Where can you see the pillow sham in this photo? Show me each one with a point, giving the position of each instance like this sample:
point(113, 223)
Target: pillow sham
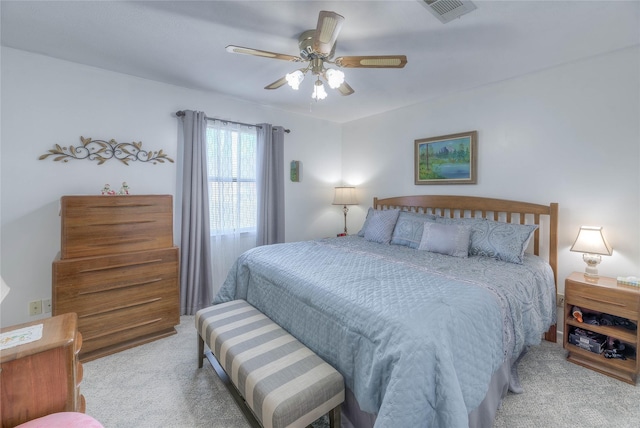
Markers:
point(380, 226)
point(449, 239)
point(409, 227)
point(502, 241)
point(366, 221)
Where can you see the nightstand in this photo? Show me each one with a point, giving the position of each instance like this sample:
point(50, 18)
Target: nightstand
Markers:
point(42, 377)
point(606, 296)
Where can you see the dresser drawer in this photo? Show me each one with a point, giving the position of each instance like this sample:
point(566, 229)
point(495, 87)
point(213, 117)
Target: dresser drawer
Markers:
point(100, 225)
point(119, 326)
point(94, 274)
point(111, 297)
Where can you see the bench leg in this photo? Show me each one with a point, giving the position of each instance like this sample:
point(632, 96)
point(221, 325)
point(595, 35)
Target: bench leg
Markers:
point(334, 417)
point(200, 351)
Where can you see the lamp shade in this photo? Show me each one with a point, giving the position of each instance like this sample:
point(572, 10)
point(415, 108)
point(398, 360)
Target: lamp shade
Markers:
point(590, 240)
point(4, 289)
point(345, 196)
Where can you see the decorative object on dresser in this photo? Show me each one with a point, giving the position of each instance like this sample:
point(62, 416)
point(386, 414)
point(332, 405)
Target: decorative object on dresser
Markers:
point(43, 376)
point(592, 243)
point(345, 195)
point(102, 151)
point(108, 191)
point(608, 336)
point(449, 159)
point(118, 270)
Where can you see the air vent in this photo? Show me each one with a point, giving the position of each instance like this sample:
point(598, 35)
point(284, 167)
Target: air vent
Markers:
point(448, 10)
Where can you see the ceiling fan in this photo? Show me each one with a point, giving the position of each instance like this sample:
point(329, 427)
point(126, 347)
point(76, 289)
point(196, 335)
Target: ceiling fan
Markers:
point(317, 48)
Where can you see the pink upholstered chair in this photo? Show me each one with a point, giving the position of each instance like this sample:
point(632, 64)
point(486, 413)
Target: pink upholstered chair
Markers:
point(63, 420)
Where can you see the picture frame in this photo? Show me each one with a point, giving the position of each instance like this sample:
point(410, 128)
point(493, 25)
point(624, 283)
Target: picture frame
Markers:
point(294, 173)
point(447, 159)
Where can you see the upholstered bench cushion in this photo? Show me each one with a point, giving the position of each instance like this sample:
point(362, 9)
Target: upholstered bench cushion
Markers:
point(283, 382)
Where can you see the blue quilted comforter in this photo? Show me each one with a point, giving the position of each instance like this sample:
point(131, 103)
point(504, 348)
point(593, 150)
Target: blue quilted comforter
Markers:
point(416, 335)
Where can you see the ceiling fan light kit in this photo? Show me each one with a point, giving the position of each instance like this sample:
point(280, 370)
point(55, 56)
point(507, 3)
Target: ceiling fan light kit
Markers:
point(294, 79)
point(317, 47)
point(319, 92)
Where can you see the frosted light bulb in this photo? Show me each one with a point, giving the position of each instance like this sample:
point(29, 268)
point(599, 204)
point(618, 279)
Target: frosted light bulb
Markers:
point(294, 79)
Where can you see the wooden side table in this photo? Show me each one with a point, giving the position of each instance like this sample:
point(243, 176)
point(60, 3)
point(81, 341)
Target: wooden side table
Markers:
point(606, 296)
point(42, 377)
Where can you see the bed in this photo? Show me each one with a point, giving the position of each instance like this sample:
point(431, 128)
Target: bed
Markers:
point(425, 314)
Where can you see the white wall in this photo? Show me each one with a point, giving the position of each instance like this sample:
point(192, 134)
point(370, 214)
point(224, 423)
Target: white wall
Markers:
point(46, 101)
point(568, 134)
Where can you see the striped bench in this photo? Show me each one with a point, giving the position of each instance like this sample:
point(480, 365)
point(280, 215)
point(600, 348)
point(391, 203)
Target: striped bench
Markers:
point(281, 381)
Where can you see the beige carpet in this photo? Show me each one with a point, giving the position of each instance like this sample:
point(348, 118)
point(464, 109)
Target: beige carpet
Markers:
point(158, 385)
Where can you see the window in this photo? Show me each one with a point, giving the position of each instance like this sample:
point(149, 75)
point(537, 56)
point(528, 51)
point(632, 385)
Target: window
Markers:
point(231, 165)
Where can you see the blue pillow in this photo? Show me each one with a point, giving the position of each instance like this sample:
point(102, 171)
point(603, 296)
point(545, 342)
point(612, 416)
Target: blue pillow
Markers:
point(449, 239)
point(380, 226)
point(366, 220)
point(502, 241)
point(409, 226)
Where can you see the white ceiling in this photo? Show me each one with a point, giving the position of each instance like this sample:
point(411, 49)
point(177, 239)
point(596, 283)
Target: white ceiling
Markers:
point(183, 43)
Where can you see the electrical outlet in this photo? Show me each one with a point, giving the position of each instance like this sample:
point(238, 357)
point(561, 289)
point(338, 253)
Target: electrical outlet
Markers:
point(46, 306)
point(35, 307)
point(560, 300)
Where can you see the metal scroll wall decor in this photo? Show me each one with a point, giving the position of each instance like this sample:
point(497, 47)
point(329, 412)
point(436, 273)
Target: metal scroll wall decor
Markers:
point(101, 151)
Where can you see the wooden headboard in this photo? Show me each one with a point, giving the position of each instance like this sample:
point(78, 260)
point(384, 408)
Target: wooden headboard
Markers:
point(545, 216)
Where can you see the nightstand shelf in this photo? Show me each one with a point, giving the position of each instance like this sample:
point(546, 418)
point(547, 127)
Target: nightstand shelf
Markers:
point(603, 295)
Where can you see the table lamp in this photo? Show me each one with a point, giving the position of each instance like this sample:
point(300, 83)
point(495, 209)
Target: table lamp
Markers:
point(345, 195)
point(4, 289)
point(591, 242)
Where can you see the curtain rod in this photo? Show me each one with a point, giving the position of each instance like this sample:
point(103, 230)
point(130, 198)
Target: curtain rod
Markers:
point(180, 113)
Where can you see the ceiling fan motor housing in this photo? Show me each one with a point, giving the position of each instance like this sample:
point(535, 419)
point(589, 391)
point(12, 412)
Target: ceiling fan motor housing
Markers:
point(305, 43)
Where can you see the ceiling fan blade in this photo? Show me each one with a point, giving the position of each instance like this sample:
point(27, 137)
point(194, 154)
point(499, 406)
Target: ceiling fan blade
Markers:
point(380, 61)
point(277, 83)
point(329, 26)
point(345, 89)
point(265, 54)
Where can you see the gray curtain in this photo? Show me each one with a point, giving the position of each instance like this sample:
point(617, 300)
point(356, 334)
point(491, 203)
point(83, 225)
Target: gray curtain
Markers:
point(270, 185)
point(195, 247)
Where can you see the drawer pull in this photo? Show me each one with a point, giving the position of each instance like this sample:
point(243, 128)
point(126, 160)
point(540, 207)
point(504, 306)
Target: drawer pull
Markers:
point(114, 223)
point(121, 206)
point(119, 286)
point(117, 308)
point(622, 305)
point(82, 405)
point(128, 327)
point(78, 342)
point(79, 373)
point(121, 242)
point(146, 262)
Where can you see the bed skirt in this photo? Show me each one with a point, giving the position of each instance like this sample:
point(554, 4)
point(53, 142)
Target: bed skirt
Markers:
point(481, 417)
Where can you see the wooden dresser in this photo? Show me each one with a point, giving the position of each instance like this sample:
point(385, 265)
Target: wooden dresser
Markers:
point(42, 377)
point(118, 270)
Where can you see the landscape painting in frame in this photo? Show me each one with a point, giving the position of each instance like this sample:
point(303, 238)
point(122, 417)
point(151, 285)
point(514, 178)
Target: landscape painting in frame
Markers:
point(448, 159)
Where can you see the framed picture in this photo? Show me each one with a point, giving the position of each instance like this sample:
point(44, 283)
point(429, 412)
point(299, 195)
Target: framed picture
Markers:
point(449, 159)
point(295, 171)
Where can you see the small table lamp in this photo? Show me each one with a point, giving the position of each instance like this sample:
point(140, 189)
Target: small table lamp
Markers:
point(4, 289)
point(591, 242)
point(345, 195)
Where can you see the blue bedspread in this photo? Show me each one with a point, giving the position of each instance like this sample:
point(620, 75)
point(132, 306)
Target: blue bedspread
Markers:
point(416, 335)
